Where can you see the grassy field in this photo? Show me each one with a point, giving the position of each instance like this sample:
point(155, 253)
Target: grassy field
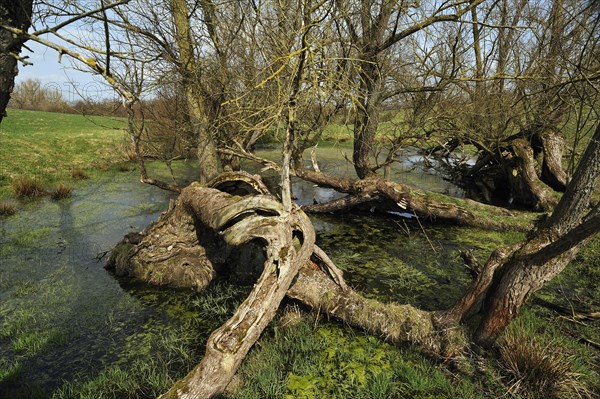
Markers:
point(49, 146)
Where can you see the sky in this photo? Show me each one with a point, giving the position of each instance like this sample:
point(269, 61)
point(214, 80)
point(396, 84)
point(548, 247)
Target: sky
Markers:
point(60, 77)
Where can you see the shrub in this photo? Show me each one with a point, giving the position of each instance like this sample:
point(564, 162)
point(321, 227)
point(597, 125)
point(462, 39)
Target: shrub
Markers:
point(78, 174)
point(27, 187)
point(62, 191)
point(535, 369)
point(7, 209)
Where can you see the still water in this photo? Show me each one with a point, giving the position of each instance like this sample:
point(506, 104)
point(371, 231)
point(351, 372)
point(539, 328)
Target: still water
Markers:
point(65, 321)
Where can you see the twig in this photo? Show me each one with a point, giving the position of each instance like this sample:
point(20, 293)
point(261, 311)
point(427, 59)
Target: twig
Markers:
point(425, 233)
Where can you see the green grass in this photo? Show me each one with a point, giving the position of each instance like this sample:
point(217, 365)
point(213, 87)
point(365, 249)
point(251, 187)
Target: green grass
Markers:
point(49, 146)
point(310, 360)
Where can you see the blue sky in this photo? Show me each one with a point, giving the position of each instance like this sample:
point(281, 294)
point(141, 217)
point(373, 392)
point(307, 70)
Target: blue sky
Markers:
point(60, 76)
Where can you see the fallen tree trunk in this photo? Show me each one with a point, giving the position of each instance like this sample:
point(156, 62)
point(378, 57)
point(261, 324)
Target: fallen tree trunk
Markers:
point(240, 220)
point(293, 266)
point(393, 322)
point(400, 197)
point(424, 204)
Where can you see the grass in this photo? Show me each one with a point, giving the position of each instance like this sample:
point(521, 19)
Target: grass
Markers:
point(27, 187)
point(7, 209)
point(62, 191)
point(78, 173)
point(9, 371)
point(49, 147)
point(300, 357)
point(305, 359)
point(536, 361)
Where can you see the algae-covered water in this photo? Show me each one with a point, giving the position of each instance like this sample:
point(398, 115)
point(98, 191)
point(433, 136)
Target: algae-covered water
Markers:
point(68, 328)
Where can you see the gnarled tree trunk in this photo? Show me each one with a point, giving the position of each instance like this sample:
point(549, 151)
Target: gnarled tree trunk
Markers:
point(293, 266)
point(513, 274)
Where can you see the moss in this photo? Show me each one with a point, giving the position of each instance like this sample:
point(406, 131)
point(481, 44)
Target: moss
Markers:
point(498, 217)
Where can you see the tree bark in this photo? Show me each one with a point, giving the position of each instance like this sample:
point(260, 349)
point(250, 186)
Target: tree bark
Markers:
point(367, 115)
point(405, 198)
point(293, 266)
point(228, 345)
point(526, 187)
point(553, 173)
point(16, 14)
point(190, 71)
point(548, 251)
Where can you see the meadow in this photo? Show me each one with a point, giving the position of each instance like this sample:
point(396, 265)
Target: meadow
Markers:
point(54, 148)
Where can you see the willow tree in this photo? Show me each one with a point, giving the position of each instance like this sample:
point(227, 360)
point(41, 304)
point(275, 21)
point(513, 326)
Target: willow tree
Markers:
point(237, 215)
point(522, 69)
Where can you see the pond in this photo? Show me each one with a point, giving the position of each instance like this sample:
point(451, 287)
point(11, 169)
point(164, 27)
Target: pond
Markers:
point(68, 327)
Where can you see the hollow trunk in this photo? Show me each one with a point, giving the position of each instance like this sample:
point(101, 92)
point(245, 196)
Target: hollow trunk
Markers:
point(526, 187)
point(16, 14)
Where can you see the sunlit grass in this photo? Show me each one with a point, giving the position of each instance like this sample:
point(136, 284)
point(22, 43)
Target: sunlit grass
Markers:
point(307, 360)
point(48, 146)
point(536, 361)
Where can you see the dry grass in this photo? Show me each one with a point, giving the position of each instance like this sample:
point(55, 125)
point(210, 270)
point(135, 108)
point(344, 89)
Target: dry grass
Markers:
point(129, 154)
point(78, 174)
point(7, 209)
point(534, 369)
point(62, 191)
point(27, 187)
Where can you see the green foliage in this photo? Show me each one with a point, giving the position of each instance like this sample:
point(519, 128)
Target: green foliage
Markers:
point(9, 370)
point(328, 361)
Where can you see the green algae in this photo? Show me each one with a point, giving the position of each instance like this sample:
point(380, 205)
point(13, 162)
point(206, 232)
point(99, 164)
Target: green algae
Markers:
point(404, 261)
point(63, 318)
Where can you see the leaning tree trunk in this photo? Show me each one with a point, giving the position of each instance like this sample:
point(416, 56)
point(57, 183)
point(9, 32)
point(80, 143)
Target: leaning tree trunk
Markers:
point(15, 14)
point(550, 249)
point(511, 275)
